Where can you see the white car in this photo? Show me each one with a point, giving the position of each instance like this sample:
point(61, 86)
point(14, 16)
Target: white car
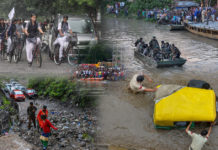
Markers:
point(16, 86)
point(21, 88)
point(8, 87)
point(13, 83)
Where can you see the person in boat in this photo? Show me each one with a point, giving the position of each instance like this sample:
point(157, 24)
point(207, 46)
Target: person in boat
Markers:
point(140, 47)
point(138, 41)
point(157, 54)
point(154, 43)
point(167, 50)
point(136, 84)
point(164, 49)
point(145, 50)
point(175, 52)
point(162, 45)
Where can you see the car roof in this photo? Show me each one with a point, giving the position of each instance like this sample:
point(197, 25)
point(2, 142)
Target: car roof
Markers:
point(72, 17)
point(16, 90)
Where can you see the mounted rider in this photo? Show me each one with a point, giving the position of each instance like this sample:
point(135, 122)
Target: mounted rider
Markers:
point(2, 31)
point(10, 33)
point(32, 29)
point(63, 28)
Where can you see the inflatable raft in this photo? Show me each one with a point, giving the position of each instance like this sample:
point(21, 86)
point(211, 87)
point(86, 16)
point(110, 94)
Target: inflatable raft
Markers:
point(164, 63)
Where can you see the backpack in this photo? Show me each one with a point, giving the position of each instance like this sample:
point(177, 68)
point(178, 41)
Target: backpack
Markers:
point(56, 31)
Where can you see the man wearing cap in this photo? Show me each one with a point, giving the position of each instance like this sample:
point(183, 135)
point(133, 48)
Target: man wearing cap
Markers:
point(136, 84)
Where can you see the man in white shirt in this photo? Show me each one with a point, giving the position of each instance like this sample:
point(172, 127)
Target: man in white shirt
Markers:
point(198, 140)
point(136, 84)
point(63, 28)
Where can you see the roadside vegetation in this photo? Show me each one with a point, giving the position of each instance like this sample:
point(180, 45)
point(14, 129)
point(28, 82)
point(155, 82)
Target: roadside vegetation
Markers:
point(7, 106)
point(98, 53)
point(63, 90)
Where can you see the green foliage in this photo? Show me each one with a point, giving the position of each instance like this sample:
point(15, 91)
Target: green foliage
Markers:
point(24, 8)
point(98, 53)
point(6, 105)
point(86, 136)
point(149, 4)
point(210, 2)
point(61, 89)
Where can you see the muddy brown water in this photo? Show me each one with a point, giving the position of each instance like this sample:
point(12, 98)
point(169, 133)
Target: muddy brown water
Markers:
point(125, 118)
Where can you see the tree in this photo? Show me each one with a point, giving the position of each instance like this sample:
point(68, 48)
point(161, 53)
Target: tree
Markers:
point(149, 4)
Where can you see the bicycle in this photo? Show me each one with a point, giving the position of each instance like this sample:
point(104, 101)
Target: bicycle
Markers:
point(20, 46)
point(2, 49)
point(37, 57)
point(14, 50)
point(70, 51)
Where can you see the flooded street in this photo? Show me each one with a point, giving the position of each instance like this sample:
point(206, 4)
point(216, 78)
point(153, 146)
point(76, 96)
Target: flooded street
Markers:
point(126, 119)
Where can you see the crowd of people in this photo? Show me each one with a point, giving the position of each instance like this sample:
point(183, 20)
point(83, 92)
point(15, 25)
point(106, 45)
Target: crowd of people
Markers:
point(176, 16)
point(117, 8)
point(17, 28)
point(167, 16)
point(29, 33)
point(100, 72)
point(154, 50)
point(199, 14)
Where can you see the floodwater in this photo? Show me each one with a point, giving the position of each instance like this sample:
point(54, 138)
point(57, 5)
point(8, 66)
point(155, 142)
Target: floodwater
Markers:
point(125, 118)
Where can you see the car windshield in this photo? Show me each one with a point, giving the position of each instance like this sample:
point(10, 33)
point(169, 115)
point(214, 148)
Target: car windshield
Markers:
point(30, 91)
point(18, 92)
point(23, 89)
point(80, 25)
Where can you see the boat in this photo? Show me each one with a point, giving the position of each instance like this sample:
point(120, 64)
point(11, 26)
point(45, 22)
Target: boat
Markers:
point(174, 27)
point(211, 33)
point(159, 64)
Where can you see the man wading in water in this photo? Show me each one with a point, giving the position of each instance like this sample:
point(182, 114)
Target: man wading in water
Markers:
point(198, 140)
point(136, 84)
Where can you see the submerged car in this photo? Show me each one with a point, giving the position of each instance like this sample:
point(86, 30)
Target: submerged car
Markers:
point(177, 105)
point(81, 25)
point(31, 93)
point(17, 95)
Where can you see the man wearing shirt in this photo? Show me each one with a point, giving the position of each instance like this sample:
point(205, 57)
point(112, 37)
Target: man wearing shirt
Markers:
point(63, 28)
point(46, 133)
point(198, 140)
point(136, 84)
